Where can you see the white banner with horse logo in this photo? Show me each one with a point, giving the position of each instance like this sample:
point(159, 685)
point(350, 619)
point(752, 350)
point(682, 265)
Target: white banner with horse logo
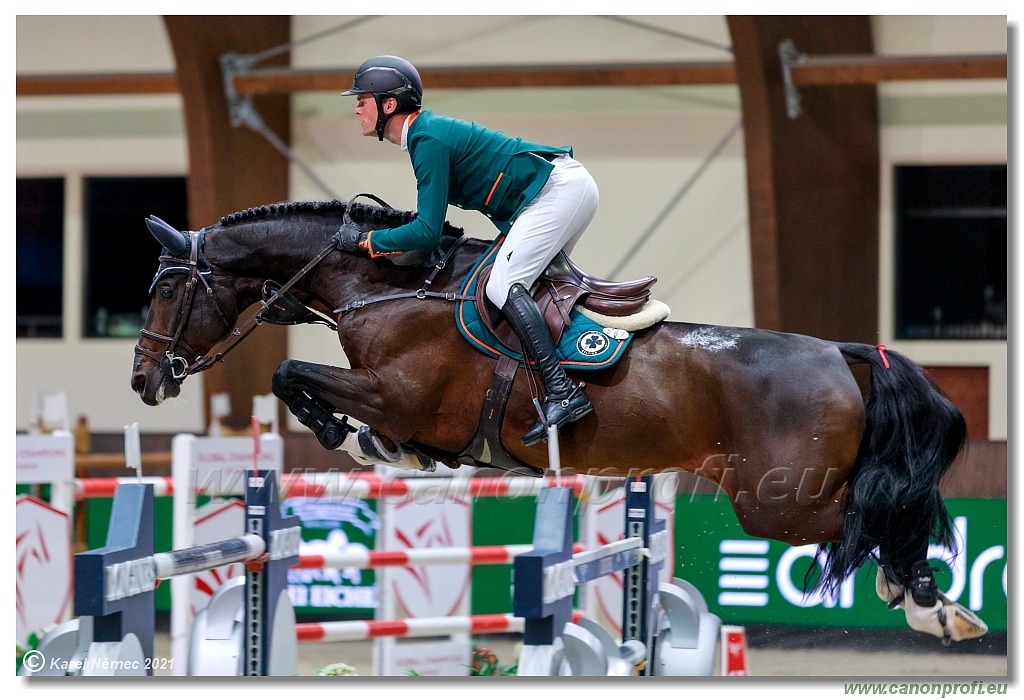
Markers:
point(421, 590)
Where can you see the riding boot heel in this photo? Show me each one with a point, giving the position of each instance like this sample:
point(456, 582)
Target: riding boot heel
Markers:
point(559, 412)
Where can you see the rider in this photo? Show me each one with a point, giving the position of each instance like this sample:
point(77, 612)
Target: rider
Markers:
point(537, 195)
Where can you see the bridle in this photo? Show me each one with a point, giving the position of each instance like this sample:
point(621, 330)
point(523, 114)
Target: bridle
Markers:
point(176, 358)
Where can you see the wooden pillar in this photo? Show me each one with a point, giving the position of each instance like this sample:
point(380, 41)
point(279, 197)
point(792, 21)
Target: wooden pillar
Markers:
point(812, 181)
point(232, 168)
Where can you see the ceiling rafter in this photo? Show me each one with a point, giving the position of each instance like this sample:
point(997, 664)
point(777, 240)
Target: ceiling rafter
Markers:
point(809, 70)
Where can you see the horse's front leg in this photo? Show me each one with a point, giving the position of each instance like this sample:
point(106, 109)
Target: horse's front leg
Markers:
point(315, 393)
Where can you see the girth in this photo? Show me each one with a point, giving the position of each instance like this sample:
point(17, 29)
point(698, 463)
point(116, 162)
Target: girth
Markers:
point(486, 448)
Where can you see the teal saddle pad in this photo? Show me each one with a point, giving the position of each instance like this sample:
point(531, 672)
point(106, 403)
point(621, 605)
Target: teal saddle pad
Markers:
point(585, 343)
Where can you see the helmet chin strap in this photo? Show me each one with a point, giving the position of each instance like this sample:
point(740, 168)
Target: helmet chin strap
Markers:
point(382, 119)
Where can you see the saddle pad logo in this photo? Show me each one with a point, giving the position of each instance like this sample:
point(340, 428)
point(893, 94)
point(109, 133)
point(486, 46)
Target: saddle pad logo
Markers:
point(592, 343)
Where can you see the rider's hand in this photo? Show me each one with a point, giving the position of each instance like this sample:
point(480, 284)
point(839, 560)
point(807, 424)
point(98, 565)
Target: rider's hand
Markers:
point(351, 239)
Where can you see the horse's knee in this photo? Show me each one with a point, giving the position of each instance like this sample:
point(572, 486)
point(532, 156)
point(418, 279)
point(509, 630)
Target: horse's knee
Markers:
point(281, 382)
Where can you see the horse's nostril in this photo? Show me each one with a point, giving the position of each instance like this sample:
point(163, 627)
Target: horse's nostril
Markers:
point(138, 382)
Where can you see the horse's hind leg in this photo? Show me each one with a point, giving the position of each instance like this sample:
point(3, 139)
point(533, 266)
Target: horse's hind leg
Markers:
point(914, 589)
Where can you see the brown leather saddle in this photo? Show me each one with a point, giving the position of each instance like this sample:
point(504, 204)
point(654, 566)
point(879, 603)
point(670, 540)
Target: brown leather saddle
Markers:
point(561, 287)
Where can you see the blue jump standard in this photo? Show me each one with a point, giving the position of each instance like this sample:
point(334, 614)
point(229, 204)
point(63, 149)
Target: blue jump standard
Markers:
point(545, 578)
point(120, 599)
point(115, 584)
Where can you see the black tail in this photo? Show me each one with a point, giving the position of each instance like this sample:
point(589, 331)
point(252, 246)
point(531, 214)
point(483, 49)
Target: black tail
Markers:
point(913, 433)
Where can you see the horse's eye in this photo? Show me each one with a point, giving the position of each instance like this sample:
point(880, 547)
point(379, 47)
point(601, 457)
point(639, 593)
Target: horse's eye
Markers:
point(166, 293)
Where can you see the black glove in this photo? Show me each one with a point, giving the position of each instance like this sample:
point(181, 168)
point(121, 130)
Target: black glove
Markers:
point(349, 237)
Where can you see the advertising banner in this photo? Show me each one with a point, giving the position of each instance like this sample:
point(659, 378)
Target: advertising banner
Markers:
point(749, 580)
point(334, 526)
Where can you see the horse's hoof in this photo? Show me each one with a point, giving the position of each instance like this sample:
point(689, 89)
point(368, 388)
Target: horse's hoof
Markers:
point(891, 593)
point(426, 463)
point(960, 623)
point(947, 619)
point(372, 444)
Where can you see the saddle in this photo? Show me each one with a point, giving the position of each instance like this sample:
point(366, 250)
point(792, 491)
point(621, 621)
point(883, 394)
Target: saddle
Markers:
point(560, 288)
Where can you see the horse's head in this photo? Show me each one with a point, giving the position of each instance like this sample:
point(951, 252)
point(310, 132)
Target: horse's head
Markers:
point(189, 313)
point(195, 302)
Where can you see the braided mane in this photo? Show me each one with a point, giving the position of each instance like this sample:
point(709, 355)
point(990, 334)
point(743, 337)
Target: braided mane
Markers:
point(375, 216)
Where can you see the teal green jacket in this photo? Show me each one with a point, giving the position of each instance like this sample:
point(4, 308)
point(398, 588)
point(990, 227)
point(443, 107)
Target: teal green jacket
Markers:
point(470, 166)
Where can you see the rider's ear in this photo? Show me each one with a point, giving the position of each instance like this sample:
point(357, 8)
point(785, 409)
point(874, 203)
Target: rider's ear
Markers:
point(390, 105)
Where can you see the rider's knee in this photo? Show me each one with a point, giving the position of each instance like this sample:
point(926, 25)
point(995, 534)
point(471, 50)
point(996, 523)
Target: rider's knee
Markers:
point(496, 289)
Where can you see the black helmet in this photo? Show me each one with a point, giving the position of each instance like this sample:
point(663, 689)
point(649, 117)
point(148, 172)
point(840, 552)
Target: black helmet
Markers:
point(388, 76)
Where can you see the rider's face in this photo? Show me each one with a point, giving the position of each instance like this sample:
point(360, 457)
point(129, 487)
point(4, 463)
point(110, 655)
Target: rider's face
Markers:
point(366, 111)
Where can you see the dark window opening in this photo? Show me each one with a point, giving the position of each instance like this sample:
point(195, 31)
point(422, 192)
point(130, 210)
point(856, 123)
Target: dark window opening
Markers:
point(40, 258)
point(951, 252)
point(121, 255)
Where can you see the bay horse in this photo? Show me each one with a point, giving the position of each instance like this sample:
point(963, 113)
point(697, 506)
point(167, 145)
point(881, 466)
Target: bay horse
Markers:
point(777, 420)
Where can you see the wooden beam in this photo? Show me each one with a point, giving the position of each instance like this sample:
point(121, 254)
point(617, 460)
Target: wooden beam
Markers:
point(812, 182)
point(810, 70)
point(111, 84)
point(231, 169)
point(868, 70)
point(268, 81)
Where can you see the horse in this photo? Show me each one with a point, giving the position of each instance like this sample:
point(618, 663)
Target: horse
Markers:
point(777, 420)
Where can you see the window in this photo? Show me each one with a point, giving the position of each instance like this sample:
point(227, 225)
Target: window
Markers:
point(951, 244)
point(40, 257)
point(121, 255)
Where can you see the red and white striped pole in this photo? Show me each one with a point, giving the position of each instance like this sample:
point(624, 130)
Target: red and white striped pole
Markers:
point(361, 630)
point(474, 556)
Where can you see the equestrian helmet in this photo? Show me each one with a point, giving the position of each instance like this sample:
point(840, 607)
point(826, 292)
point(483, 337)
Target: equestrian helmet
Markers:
point(388, 76)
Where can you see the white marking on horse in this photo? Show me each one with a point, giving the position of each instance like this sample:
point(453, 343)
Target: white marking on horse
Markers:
point(711, 339)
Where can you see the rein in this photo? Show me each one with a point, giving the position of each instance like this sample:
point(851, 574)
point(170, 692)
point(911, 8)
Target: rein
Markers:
point(421, 293)
point(242, 331)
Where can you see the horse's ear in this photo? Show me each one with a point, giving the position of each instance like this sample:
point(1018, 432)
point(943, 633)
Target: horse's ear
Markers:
point(176, 242)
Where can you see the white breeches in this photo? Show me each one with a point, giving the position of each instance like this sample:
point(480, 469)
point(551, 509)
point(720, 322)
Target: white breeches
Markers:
point(553, 221)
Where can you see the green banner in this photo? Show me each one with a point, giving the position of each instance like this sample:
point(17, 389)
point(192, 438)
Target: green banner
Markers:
point(745, 580)
point(750, 580)
point(334, 526)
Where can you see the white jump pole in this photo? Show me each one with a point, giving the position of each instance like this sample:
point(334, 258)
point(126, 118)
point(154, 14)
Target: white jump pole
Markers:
point(554, 458)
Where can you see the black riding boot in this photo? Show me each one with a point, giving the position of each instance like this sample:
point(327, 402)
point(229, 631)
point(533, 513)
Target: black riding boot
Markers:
point(564, 402)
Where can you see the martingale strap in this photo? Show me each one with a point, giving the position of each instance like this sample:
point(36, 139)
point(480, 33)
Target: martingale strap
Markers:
point(244, 329)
